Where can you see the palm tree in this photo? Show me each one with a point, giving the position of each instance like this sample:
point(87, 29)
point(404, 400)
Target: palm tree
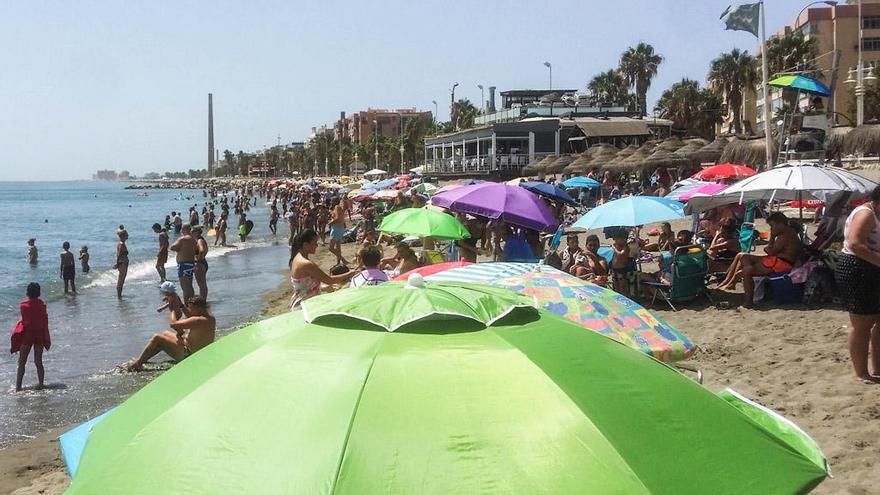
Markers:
point(691, 108)
point(639, 66)
point(463, 114)
point(792, 53)
point(609, 87)
point(730, 74)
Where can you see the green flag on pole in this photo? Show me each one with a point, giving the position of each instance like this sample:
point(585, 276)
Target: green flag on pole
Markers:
point(742, 17)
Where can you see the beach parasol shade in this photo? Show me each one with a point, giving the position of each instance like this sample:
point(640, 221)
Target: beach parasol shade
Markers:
point(427, 189)
point(864, 139)
point(549, 191)
point(394, 304)
point(684, 186)
point(803, 84)
point(581, 182)
point(724, 171)
point(579, 165)
point(424, 222)
point(559, 164)
point(750, 152)
point(541, 166)
point(711, 152)
point(631, 211)
point(603, 311)
point(513, 205)
point(633, 161)
point(530, 404)
point(790, 182)
point(671, 144)
point(376, 171)
point(431, 269)
point(385, 195)
point(704, 190)
point(663, 158)
point(487, 272)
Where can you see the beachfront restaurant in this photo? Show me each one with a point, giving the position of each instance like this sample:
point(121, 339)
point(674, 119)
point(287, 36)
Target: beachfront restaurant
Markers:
point(503, 149)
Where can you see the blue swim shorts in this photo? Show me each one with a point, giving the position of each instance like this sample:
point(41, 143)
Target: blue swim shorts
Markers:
point(185, 269)
point(337, 232)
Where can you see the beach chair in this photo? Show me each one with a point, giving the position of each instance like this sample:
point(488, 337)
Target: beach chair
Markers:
point(747, 236)
point(688, 269)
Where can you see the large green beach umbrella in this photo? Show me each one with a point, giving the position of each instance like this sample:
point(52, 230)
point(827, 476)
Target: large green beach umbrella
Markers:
point(424, 222)
point(528, 404)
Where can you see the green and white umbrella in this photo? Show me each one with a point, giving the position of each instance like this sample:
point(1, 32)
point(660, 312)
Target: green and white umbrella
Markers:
point(424, 222)
point(529, 404)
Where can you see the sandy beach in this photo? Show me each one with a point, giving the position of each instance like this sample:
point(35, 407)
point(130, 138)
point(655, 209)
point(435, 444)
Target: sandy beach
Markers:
point(791, 359)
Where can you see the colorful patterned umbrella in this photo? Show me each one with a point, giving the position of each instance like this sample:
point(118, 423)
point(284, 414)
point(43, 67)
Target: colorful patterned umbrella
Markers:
point(603, 311)
point(801, 83)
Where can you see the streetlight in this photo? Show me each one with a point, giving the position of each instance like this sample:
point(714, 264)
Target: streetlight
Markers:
point(482, 98)
point(858, 77)
point(452, 106)
point(435, 109)
point(357, 166)
point(376, 130)
point(547, 65)
point(401, 158)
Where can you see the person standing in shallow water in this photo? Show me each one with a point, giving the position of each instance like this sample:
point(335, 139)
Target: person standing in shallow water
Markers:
point(186, 248)
point(201, 272)
point(33, 253)
point(162, 255)
point(68, 268)
point(31, 332)
point(121, 260)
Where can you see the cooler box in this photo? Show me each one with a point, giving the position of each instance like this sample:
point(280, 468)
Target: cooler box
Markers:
point(784, 290)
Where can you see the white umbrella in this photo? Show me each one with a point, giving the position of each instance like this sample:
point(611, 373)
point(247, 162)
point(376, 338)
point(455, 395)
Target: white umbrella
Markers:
point(789, 182)
point(376, 171)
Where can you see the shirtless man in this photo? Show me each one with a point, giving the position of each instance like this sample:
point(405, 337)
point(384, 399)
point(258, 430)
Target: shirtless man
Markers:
point(190, 334)
point(162, 255)
point(337, 231)
point(186, 248)
point(782, 252)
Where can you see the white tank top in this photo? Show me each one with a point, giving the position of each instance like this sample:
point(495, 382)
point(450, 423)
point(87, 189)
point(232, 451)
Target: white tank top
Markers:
point(873, 235)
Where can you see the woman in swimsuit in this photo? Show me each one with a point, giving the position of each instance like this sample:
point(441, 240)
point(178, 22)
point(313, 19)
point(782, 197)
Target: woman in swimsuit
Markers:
point(305, 276)
point(121, 260)
point(201, 272)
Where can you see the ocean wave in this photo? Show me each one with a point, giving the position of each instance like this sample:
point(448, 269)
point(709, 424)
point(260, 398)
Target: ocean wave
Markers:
point(143, 272)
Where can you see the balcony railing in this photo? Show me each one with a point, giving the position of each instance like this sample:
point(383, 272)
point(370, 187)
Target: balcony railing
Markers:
point(508, 163)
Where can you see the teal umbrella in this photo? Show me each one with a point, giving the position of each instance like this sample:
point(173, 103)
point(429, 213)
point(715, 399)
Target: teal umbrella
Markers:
point(529, 404)
point(801, 83)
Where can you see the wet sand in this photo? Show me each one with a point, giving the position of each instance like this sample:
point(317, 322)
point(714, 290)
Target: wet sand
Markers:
point(791, 359)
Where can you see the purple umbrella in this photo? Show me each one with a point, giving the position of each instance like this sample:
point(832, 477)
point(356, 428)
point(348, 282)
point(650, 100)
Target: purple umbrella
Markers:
point(514, 205)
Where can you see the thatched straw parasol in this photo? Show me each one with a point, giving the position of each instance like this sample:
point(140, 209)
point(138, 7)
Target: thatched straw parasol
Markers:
point(603, 157)
point(863, 140)
point(663, 158)
point(594, 150)
point(834, 142)
point(579, 165)
point(671, 144)
point(710, 152)
point(622, 155)
point(559, 164)
point(749, 151)
point(631, 162)
point(541, 166)
point(532, 167)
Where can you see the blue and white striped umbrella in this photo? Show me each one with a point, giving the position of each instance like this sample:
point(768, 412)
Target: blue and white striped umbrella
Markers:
point(488, 272)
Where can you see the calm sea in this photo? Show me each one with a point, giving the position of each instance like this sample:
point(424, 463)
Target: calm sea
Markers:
point(93, 331)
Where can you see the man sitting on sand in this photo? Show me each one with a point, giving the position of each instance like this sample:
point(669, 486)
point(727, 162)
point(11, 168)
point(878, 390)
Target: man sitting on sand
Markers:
point(190, 334)
point(782, 252)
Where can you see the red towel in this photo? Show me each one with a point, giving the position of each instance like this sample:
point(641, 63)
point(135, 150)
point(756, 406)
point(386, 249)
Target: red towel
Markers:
point(33, 328)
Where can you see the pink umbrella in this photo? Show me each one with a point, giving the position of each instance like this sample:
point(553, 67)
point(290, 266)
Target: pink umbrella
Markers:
point(514, 205)
point(724, 171)
point(706, 190)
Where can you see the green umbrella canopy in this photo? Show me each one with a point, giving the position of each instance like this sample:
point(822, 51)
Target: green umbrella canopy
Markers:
point(395, 304)
point(424, 222)
point(530, 404)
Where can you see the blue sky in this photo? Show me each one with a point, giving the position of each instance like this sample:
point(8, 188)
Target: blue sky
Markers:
point(123, 85)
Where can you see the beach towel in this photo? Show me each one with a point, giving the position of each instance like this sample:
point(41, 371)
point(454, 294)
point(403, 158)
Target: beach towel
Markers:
point(33, 328)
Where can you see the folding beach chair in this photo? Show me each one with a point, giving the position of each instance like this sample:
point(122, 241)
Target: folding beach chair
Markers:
point(688, 268)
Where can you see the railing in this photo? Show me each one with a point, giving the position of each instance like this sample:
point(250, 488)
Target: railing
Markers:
point(476, 164)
